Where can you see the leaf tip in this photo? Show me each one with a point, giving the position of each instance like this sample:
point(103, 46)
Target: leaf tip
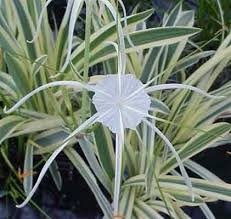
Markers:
point(19, 206)
point(30, 41)
point(5, 110)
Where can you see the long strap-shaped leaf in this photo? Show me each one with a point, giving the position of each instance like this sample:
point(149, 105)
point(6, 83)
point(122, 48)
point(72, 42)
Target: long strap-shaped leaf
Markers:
point(198, 143)
point(201, 187)
point(143, 210)
point(8, 125)
point(142, 39)
point(88, 150)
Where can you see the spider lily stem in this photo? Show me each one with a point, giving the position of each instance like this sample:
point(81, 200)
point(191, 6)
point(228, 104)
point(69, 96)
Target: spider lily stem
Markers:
point(118, 166)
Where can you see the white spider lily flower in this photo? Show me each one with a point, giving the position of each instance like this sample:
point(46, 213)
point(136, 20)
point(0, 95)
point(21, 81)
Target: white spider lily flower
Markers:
point(116, 110)
point(119, 103)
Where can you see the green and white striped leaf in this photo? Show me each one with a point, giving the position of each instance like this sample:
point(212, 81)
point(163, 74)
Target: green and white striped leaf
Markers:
point(198, 143)
point(105, 149)
point(38, 63)
point(184, 198)
point(142, 210)
point(191, 60)
point(88, 150)
point(38, 125)
point(18, 71)
point(201, 187)
point(172, 184)
point(24, 25)
point(7, 39)
point(127, 202)
point(160, 206)
point(144, 39)
point(201, 171)
point(107, 33)
point(159, 106)
point(8, 125)
point(7, 85)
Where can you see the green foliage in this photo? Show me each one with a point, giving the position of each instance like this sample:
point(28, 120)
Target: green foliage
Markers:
point(151, 185)
point(214, 18)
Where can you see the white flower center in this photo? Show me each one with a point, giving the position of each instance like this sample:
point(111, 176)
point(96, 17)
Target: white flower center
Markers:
point(133, 107)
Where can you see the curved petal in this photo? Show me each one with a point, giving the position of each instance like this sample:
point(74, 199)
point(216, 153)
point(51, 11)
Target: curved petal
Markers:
point(126, 23)
point(180, 86)
point(73, 18)
point(87, 123)
point(170, 146)
point(45, 86)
